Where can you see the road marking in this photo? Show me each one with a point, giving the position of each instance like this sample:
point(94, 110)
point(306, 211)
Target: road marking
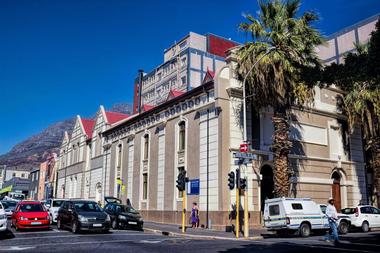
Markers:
point(82, 242)
point(15, 248)
point(68, 236)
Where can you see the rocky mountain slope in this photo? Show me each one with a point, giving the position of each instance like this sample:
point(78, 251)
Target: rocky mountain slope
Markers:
point(32, 151)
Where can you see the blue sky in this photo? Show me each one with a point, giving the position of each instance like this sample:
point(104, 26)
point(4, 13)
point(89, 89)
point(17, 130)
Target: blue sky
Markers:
point(59, 58)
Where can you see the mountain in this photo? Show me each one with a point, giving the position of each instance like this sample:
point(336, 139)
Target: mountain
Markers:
point(32, 151)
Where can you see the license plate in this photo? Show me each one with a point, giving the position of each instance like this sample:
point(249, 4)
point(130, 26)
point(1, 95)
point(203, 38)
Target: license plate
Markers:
point(132, 222)
point(36, 223)
point(97, 225)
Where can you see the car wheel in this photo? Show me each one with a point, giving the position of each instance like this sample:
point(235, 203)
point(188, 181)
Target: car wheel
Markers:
point(343, 227)
point(304, 230)
point(114, 224)
point(365, 226)
point(59, 225)
point(74, 227)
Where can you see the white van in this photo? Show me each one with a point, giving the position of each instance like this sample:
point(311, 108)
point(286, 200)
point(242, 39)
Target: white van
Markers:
point(294, 214)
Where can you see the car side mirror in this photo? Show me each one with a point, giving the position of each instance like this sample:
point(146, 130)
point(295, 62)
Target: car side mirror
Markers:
point(47, 206)
point(70, 210)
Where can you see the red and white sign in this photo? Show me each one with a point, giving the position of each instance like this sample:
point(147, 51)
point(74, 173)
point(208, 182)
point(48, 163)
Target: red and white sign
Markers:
point(244, 148)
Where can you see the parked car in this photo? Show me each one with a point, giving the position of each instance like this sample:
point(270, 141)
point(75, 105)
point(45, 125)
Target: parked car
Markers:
point(53, 206)
point(123, 216)
point(3, 219)
point(344, 221)
point(30, 214)
point(364, 217)
point(82, 215)
point(9, 207)
point(294, 215)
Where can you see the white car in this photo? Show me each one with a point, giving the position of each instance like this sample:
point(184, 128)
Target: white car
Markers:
point(298, 215)
point(53, 205)
point(344, 221)
point(364, 217)
point(3, 219)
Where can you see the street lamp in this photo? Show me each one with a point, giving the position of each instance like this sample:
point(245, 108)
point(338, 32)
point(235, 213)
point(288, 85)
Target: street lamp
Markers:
point(244, 97)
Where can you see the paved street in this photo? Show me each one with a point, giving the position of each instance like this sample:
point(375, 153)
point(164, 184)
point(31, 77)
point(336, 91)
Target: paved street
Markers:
point(138, 241)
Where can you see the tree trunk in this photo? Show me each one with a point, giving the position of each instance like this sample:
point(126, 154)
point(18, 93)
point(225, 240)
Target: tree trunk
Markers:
point(280, 148)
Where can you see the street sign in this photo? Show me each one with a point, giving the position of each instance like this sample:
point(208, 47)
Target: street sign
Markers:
point(244, 148)
point(245, 155)
point(193, 187)
point(241, 161)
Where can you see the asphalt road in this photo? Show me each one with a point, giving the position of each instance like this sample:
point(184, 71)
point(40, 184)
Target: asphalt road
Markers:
point(136, 241)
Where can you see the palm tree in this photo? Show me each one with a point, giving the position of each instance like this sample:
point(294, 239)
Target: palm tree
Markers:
point(278, 80)
point(359, 77)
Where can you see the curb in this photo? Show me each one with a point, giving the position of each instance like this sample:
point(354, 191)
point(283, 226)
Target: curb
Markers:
point(209, 237)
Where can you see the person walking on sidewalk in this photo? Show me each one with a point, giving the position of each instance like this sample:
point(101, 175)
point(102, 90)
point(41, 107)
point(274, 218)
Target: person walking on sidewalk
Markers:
point(332, 217)
point(195, 216)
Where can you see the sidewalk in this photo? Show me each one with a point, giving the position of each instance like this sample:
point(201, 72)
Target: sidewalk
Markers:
point(200, 233)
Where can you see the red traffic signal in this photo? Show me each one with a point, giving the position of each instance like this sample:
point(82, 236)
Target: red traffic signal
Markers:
point(244, 148)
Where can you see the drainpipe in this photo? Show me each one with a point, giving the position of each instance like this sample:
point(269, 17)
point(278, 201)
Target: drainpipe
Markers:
point(106, 148)
point(207, 164)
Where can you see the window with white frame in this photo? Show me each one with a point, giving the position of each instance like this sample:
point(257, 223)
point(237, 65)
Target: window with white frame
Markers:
point(146, 146)
point(145, 186)
point(182, 136)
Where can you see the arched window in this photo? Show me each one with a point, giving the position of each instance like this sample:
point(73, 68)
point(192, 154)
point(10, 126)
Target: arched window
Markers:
point(146, 147)
point(182, 136)
point(119, 156)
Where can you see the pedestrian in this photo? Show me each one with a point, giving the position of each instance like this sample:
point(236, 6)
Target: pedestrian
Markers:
point(332, 217)
point(195, 216)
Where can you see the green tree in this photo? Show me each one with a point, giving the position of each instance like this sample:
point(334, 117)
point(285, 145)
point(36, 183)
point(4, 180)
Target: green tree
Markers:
point(278, 80)
point(359, 78)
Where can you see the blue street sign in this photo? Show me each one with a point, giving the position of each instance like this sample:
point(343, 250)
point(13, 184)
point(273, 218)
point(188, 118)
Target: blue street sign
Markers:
point(193, 187)
point(249, 156)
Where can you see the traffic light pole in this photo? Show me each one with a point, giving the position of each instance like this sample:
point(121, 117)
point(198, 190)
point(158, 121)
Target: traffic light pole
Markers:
point(246, 229)
point(237, 229)
point(183, 210)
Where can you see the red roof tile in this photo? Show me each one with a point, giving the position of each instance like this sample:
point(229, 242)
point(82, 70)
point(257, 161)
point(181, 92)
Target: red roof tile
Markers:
point(174, 93)
point(208, 76)
point(114, 117)
point(147, 107)
point(88, 125)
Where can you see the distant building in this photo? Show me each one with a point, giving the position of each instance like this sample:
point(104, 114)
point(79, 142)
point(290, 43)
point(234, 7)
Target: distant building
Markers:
point(7, 173)
point(34, 178)
point(16, 184)
point(185, 64)
point(343, 41)
point(46, 177)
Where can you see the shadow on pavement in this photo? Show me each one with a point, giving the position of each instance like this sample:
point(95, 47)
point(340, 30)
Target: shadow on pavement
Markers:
point(7, 235)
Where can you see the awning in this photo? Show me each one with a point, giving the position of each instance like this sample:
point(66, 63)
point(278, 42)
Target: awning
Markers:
point(6, 189)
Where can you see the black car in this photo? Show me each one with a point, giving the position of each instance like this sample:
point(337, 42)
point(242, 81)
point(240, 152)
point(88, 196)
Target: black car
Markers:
point(82, 215)
point(123, 216)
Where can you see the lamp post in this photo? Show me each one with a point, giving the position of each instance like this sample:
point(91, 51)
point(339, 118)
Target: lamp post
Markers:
point(244, 96)
point(246, 227)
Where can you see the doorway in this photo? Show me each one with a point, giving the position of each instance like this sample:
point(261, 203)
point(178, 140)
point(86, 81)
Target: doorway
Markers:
point(267, 185)
point(336, 194)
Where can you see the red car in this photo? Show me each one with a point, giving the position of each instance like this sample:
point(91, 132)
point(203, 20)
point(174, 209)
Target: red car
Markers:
point(30, 214)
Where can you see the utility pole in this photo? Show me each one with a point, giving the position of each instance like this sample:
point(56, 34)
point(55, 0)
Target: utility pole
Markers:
point(237, 229)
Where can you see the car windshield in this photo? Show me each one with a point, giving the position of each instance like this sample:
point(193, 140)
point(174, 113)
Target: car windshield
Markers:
point(31, 208)
point(9, 204)
point(348, 210)
point(57, 203)
point(87, 207)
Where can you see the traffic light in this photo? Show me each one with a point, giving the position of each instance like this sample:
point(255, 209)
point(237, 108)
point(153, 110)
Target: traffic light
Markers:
point(182, 180)
point(231, 180)
point(243, 183)
point(238, 178)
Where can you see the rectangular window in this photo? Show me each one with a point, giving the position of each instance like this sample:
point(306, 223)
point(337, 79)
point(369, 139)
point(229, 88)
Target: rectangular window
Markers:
point(145, 186)
point(183, 79)
point(274, 210)
point(182, 136)
point(146, 147)
point(297, 206)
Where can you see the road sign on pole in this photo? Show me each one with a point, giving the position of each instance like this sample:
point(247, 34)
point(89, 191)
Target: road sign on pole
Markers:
point(245, 155)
